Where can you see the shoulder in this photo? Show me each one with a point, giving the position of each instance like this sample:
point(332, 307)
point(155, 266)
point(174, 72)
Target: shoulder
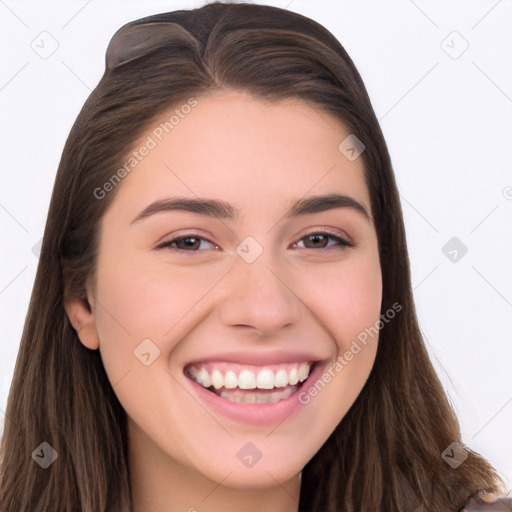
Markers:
point(489, 504)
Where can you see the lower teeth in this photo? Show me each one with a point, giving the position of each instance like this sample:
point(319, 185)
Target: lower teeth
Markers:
point(255, 397)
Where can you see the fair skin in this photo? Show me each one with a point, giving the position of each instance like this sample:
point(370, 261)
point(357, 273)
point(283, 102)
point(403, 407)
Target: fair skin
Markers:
point(303, 298)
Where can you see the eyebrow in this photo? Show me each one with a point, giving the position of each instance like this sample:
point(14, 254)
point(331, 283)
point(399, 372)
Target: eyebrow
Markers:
point(223, 210)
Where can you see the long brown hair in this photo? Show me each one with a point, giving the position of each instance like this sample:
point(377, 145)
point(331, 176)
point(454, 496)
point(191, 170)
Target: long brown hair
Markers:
point(385, 455)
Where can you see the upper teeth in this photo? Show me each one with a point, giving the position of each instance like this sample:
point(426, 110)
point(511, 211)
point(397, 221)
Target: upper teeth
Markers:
point(249, 377)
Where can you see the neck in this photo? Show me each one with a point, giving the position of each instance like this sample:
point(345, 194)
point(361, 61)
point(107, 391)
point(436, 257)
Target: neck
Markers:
point(160, 483)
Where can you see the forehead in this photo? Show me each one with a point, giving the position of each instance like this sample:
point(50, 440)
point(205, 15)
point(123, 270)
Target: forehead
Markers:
point(244, 150)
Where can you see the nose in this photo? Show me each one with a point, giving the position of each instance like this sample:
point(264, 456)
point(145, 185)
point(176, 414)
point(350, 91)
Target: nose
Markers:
point(260, 298)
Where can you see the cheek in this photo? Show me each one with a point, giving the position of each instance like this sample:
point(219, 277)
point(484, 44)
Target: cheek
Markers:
point(145, 295)
point(144, 298)
point(347, 303)
point(348, 298)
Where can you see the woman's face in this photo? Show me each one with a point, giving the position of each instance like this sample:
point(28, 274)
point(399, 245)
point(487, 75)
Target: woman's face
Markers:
point(246, 290)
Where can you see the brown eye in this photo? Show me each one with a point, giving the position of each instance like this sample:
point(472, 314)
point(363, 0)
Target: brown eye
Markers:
point(320, 240)
point(189, 243)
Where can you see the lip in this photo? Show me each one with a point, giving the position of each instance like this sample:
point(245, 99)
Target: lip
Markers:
point(258, 359)
point(255, 414)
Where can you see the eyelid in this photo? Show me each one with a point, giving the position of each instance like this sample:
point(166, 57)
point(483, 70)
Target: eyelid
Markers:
point(343, 241)
point(185, 233)
point(332, 232)
point(181, 236)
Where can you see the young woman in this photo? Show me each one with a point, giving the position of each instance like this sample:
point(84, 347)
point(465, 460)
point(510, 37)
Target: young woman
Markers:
point(223, 305)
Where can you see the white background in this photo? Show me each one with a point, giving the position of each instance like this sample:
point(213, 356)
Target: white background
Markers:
point(446, 121)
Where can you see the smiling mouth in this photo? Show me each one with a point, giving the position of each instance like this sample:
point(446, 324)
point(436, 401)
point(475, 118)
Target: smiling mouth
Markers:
point(251, 384)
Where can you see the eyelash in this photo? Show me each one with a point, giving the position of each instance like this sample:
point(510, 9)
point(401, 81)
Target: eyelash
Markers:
point(341, 243)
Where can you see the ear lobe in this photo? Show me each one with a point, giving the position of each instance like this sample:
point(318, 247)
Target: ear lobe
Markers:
point(82, 319)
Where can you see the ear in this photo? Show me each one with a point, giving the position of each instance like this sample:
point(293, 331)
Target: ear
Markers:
point(81, 315)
